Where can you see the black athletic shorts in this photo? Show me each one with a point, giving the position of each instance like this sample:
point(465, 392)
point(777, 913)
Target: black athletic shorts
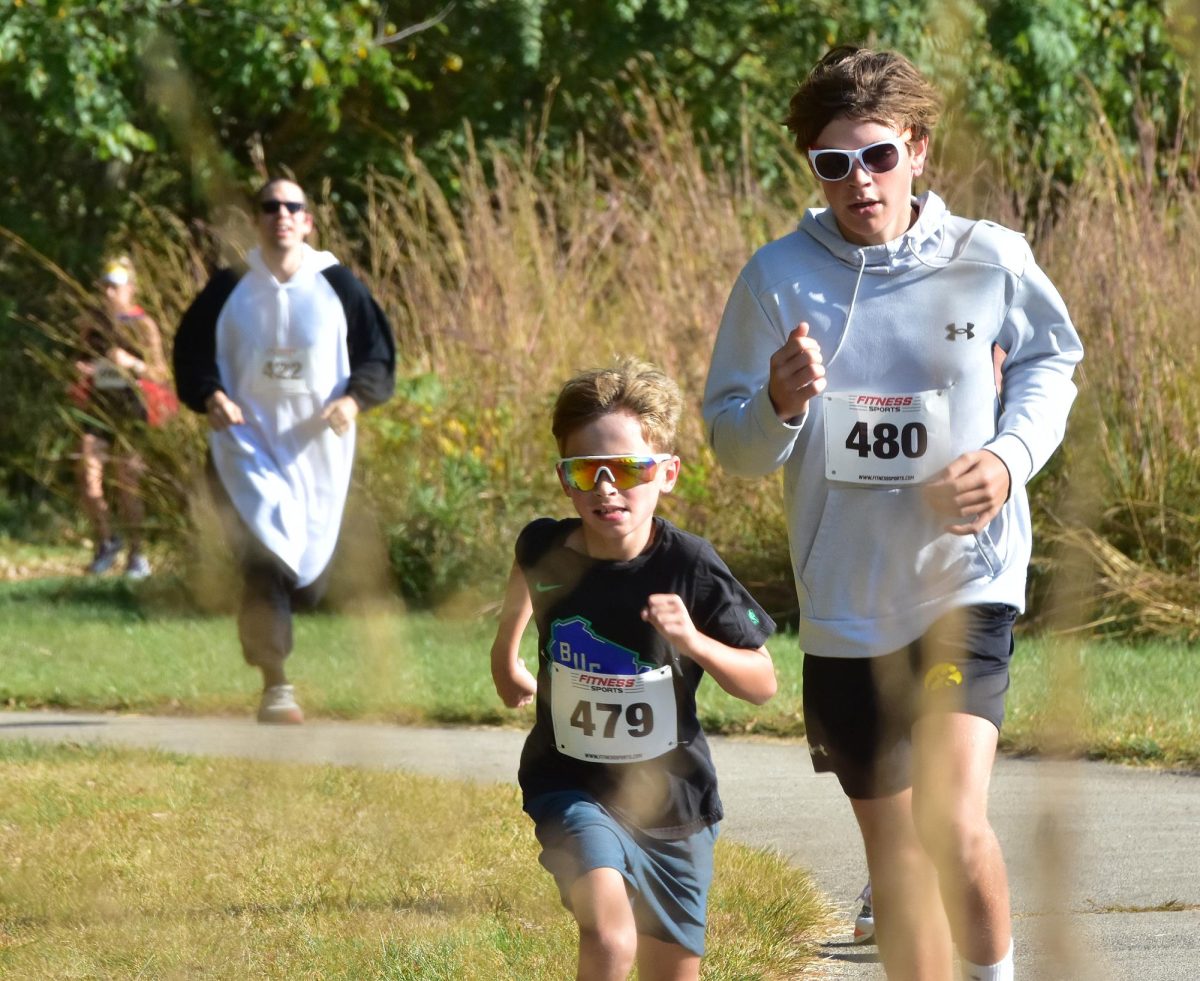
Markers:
point(859, 712)
point(114, 415)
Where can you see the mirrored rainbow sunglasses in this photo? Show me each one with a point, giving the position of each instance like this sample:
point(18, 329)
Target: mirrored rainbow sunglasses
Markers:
point(582, 473)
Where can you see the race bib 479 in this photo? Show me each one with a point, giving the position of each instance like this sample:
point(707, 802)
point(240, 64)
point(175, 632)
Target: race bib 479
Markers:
point(613, 718)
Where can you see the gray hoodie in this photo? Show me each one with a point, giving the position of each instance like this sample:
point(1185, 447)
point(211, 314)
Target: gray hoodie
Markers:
point(905, 324)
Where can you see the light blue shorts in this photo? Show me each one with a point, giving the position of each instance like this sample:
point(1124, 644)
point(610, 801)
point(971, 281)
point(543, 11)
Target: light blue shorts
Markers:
point(667, 880)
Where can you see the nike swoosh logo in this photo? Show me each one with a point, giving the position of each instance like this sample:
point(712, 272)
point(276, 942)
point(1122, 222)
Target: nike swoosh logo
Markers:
point(543, 587)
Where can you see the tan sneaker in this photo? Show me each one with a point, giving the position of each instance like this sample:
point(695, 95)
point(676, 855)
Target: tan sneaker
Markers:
point(279, 707)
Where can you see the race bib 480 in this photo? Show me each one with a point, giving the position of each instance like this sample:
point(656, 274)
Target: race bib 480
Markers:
point(873, 438)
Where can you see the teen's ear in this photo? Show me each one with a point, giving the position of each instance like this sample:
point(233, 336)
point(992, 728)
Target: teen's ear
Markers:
point(671, 474)
point(917, 151)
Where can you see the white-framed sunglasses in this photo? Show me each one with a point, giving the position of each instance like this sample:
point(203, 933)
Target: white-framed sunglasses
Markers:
point(875, 158)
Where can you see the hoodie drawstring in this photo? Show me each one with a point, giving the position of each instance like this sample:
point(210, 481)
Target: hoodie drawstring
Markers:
point(862, 267)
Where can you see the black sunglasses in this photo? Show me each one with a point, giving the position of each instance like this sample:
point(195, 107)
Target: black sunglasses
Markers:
point(272, 206)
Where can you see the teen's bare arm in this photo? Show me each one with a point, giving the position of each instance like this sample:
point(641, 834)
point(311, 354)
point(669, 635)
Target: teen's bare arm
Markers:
point(152, 344)
point(514, 683)
point(744, 673)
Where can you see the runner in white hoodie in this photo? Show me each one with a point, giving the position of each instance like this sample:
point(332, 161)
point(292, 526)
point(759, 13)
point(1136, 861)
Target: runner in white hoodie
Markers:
point(857, 354)
point(281, 359)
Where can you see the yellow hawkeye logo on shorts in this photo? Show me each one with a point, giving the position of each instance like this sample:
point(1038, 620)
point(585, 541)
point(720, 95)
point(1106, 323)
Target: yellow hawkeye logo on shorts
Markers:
point(943, 675)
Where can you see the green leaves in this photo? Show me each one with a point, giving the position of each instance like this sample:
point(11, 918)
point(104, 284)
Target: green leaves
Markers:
point(1066, 62)
point(266, 63)
point(102, 98)
point(93, 91)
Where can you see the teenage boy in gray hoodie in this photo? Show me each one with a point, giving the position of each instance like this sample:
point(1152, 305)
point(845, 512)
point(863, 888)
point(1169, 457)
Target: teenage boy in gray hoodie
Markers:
point(857, 354)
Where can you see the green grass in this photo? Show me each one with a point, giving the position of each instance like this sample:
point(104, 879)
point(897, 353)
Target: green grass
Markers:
point(1109, 700)
point(24, 560)
point(102, 644)
point(127, 864)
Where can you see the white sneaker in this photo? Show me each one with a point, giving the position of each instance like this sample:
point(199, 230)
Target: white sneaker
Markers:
point(279, 706)
point(864, 922)
point(138, 567)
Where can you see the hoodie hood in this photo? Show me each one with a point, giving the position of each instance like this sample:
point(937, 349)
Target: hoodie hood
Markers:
point(312, 263)
point(920, 245)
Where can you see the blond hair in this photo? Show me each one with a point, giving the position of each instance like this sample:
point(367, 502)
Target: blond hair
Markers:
point(115, 267)
point(637, 387)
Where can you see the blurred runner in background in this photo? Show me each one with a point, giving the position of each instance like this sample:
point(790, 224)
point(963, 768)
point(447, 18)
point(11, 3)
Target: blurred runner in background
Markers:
point(120, 385)
point(281, 357)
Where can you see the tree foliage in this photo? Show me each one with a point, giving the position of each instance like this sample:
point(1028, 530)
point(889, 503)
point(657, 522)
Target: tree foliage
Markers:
point(104, 98)
point(1056, 64)
point(110, 106)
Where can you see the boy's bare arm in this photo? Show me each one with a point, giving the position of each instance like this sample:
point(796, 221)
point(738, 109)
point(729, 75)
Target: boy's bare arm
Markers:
point(744, 673)
point(514, 683)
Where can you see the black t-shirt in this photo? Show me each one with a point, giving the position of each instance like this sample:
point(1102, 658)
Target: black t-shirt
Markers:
point(674, 794)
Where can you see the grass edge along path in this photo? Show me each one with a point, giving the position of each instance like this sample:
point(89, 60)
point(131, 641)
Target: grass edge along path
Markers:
point(136, 863)
point(104, 645)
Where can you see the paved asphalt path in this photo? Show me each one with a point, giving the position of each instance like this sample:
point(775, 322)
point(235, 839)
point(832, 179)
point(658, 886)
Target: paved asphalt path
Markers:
point(1104, 861)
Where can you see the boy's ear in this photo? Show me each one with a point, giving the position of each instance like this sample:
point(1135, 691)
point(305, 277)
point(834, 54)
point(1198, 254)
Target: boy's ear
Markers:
point(672, 474)
point(919, 149)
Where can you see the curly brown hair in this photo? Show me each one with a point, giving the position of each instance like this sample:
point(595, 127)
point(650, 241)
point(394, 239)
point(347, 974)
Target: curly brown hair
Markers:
point(874, 86)
point(637, 387)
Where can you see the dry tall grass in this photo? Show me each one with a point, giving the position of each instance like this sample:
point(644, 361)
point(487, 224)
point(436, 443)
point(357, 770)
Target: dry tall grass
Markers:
point(533, 272)
point(536, 267)
point(1125, 252)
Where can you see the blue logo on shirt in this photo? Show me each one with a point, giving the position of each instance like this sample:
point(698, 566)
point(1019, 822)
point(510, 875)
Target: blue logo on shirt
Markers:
point(572, 643)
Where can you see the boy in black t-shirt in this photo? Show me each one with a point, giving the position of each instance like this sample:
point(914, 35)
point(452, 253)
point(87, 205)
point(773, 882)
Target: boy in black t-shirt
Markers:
point(631, 612)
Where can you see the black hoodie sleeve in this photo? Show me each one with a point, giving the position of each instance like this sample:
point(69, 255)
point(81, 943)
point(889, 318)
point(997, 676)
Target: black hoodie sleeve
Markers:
point(369, 340)
point(194, 356)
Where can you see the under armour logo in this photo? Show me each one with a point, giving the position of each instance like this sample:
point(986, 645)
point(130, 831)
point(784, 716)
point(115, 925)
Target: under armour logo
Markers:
point(816, 749)
point(953, 333)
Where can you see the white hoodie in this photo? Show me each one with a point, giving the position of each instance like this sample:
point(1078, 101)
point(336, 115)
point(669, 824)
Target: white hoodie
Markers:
point(916, 316)
point(282, 356)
